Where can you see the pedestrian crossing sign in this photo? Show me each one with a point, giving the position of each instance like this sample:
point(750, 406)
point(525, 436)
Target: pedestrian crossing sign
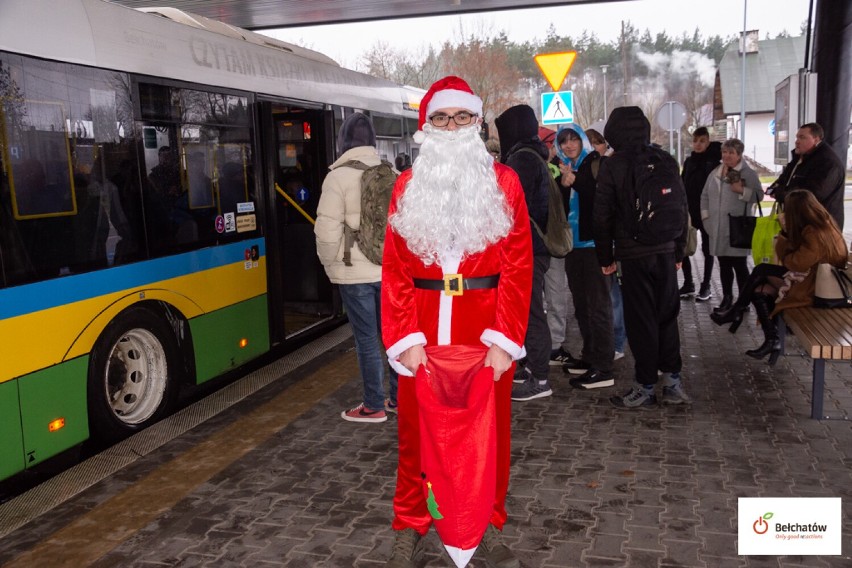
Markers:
point(557, 108)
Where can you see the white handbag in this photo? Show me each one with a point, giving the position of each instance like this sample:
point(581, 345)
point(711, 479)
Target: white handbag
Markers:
point(833, 286)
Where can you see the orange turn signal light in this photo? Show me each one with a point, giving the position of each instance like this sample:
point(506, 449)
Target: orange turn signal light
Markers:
point(243, 343)
point(55, 425)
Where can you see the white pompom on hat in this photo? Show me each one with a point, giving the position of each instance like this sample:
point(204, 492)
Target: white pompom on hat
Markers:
point(449, 92)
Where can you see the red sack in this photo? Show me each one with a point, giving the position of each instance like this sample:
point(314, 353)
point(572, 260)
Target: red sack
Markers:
point(458, 445)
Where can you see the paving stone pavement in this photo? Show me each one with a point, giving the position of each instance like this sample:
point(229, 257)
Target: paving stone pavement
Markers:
point(591, 486)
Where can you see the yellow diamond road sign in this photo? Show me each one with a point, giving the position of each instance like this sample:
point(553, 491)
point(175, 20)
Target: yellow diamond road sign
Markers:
point(555, 66)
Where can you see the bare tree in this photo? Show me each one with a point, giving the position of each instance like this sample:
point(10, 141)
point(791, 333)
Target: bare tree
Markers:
point(429, 71)
point(485, 67)
point(695, 96)
point(394, 65)
point(379, 61)
point(588, 98)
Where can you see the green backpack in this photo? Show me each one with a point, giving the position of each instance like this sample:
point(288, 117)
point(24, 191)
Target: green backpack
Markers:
point(558, 236)
point(376, 187)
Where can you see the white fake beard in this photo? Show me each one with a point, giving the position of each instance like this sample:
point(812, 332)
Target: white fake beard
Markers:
point(452, 202)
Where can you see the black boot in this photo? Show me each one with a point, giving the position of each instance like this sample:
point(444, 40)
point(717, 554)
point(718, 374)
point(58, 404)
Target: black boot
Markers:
point(763, 306)
point(727, 302)
point(733, 316)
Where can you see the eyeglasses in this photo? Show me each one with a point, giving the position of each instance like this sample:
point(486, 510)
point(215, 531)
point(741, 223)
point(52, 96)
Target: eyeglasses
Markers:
point(460, 118)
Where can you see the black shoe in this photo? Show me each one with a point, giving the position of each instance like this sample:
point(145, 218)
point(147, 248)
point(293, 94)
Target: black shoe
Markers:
point(497, 554)
point(763, 306)
point(733, 316)
point(771, 347)
point(704, 293)
point(559, 356)
point(638, 398)
point(592, 379)
point(531, 390)
point(687, 290)
point(727, 302)
point(575, 366)
point(407, 549)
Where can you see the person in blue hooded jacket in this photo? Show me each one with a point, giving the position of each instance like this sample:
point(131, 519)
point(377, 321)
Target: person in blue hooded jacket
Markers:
point(590, 288)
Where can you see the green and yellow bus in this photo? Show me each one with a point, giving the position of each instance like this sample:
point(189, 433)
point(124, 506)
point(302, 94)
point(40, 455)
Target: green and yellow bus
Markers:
point(159, 172)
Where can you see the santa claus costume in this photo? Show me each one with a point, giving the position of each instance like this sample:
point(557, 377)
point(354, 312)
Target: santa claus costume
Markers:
point(457, 271)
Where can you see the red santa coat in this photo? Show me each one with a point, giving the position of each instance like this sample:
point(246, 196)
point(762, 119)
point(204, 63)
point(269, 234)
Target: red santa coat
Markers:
point(412, 316)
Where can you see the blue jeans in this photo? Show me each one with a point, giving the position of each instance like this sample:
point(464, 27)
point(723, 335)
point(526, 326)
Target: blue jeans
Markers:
point(619, 334)
point(362, 303)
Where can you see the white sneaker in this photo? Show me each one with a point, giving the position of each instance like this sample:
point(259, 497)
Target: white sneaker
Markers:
point(618, 355)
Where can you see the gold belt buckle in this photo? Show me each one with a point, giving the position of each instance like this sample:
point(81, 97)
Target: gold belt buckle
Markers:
point(453, 279)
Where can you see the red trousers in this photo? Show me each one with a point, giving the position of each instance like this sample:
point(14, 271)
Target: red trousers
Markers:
point(409, 504)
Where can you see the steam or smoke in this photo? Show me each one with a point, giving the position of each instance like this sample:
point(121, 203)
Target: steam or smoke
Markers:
point(679, 66)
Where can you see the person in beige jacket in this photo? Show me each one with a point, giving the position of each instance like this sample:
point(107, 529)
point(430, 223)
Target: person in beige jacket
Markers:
point(359, 280)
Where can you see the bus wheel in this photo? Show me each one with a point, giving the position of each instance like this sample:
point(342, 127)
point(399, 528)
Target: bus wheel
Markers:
point(133, 375)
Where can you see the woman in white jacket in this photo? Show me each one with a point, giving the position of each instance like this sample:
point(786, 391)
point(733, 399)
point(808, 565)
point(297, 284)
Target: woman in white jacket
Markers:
point(359, 279)
point(732, 188)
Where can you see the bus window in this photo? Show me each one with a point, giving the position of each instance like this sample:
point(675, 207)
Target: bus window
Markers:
point(67, 198)
point(234, 184)
point(190, 161)
point(40, 180)
point(199, 172)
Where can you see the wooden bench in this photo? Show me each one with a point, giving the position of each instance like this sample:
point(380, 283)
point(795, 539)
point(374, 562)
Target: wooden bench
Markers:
point(826, 335)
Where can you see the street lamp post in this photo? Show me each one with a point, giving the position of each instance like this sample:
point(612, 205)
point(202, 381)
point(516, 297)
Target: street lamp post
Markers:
point(742, 86)
point(603, 69)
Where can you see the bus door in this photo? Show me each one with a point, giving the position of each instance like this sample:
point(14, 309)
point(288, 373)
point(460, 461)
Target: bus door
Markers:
point(297, 158)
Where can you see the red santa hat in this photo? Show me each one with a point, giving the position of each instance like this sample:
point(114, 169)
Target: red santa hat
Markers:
point(451, 91)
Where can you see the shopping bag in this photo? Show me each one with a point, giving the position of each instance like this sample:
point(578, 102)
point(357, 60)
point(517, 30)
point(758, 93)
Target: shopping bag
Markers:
point(458, 445)
point(763, 239)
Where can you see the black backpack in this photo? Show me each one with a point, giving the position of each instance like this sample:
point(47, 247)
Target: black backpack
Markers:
point(658, 202)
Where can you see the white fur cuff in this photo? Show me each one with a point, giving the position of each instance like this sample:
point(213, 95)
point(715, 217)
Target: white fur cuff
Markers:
point(491, 337)
point(399, 368)
point(409, 340)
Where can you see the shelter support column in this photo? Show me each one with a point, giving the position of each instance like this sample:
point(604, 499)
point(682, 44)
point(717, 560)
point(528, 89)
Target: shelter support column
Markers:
point(832, 61)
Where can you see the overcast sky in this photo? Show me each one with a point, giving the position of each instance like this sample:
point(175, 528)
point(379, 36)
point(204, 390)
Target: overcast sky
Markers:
point(347, 42)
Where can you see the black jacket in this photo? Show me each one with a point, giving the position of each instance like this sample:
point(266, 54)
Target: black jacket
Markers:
point(518, 128)
point(821, 172)
point(627, 131)
point(696, 169)
point(586, 187)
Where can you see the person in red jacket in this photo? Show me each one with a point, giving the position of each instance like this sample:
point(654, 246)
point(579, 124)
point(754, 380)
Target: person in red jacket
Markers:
point(457, 271)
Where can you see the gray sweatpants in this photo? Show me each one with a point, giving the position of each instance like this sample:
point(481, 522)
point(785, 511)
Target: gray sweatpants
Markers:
point(556, 303)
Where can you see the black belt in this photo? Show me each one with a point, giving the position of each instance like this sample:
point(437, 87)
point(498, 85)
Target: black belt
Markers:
point(456, 284)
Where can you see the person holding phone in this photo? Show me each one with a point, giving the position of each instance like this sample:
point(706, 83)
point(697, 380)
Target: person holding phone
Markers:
point(590, 288)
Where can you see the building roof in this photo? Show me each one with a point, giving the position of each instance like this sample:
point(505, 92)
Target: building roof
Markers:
point(775, 60)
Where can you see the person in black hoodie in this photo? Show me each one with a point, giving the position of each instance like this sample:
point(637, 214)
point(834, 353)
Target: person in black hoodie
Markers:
point(523, 151)
point(649, 272)
point(705, 157)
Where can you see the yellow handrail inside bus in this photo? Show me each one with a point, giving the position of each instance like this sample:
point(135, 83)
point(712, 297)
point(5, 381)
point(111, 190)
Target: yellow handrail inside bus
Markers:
point(294, 204)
